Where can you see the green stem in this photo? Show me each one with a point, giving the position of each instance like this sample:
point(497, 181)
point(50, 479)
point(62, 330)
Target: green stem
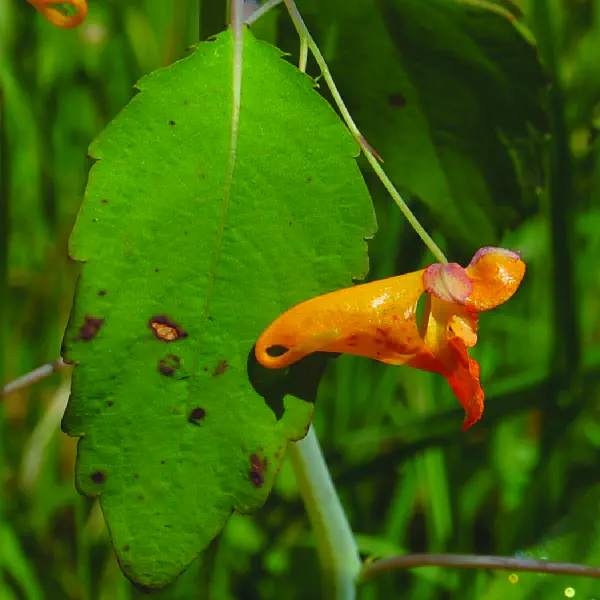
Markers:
point(336, 546)
point(367, 150)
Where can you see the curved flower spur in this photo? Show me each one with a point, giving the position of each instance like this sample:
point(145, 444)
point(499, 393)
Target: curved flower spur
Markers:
point(379, 320)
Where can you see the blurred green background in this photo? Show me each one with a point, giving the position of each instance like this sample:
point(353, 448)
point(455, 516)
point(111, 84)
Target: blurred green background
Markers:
point(521, 482)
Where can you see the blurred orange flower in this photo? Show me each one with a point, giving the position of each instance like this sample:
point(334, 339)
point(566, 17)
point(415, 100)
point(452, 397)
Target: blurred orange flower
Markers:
point(379, 320)
point(49, 11)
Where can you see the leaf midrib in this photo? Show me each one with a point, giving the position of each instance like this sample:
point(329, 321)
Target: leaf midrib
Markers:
point(236, 89)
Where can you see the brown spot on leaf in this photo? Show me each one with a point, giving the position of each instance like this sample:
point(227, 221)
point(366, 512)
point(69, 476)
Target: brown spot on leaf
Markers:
point(90, 328)
point(101, 292)
point(163, 462)
point(257, 479)
point(171, 122)
point(197, 414)
point(221, 367)
point(309, 179)
point(103, 201)
point(397, 100)
point(109, 403)
point(98, 477)
point(126, 548)
point(168, 366)
point(165, 369)
point(136, 475)
point(258, 466)
point(166, 329)
point(156, 270)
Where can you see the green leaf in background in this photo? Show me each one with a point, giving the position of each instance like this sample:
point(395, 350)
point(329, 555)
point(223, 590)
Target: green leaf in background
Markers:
point(450, 95)
point(185, 263)
point(15, 562)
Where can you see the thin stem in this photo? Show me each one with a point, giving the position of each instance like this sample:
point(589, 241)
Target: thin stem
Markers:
point(33, 377)
point(336, 546)
point(303, 54)
point(370, 156)
point(259, 12)
point(473, 561)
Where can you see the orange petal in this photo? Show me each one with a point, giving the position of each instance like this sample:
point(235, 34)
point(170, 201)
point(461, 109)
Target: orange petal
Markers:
point(464, 326)
point(376, 320)
point(46, 8)
point(462, 373)
point(451, 329)
point(463, 376)
point(496, 274)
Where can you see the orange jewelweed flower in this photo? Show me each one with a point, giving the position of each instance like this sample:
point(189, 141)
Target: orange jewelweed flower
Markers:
point(47, 9)
point(379, 320)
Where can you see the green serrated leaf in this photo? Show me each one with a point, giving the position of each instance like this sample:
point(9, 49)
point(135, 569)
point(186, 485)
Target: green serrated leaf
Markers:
point(186, 262)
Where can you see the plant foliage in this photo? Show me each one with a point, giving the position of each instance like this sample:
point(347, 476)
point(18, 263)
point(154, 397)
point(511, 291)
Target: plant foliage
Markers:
point(192, 244)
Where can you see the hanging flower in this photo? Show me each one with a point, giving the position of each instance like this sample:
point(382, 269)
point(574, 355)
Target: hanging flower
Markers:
point(379, 320)
point(50, 12)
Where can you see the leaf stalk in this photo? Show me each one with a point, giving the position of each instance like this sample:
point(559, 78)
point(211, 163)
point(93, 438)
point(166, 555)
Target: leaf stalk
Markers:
point(33, 377)
point(337, 548)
